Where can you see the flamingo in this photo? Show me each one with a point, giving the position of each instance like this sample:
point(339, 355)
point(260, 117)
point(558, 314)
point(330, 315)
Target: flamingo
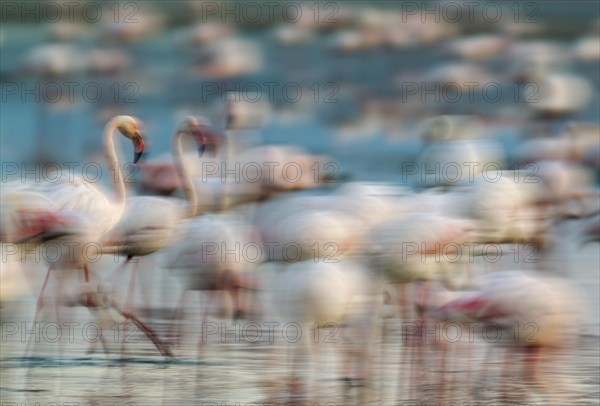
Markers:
point(452, 148)
point(562, 95)
point(81, 196)
point(532, 60)
point(420, 247)
point(342, 219)
point(230, 57)
point(319, 297)
point(321, 279)
point(261, 172)
point(478, 47)
point(196, 253)
point(537, 315)
point(141, 232)
point(95, 212)
point(591, 231)
point(587, 49)
point(198, 258)
point(28, 220)
point(557, 165)
point(255, 184)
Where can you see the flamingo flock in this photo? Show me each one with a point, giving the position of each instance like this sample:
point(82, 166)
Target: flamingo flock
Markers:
point(329, 263)
point(232, 268)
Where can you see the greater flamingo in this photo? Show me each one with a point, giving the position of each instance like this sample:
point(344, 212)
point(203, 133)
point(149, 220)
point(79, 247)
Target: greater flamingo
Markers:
point(536, 315)
point(141, 232)
point(420, 247)
point(326, 303)
point(95, 212)
point(197, 253)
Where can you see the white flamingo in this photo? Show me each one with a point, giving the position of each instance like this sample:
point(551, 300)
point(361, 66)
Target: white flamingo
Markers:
point(421, 247)
point(80, 196)
point(320, 281)
point(333, 224)
point(455, 152)
point(96, 212)
point(28, 220)
point(197, 254)
point(141, 231)
point(537, 315)
point(335, 300)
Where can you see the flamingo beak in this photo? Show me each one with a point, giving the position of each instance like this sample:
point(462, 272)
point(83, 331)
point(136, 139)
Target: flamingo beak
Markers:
point(205, 138)
point(139, 149)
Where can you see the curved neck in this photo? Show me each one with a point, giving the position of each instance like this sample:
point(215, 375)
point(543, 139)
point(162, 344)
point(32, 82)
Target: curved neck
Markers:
point(227, 148)
point(113, 161)
point(184, 174)
point(227, 155)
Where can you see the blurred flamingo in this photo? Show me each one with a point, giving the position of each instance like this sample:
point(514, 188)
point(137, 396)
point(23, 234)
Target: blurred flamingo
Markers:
point(534, 315)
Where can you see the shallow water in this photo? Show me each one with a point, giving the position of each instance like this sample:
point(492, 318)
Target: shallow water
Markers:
point(233, 366)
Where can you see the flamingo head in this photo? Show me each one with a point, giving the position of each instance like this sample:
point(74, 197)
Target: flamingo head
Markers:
point(131, 128)
point(202, 131)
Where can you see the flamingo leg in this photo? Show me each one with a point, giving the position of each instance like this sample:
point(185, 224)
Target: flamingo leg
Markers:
point(411, 363)
point(403, 298)
point(175, 325)
point(86, 273)
point(532, 371)
point(505, 374)
point(39, 306)
point(205, 304)
point(238, 299)
point(86, 276)
point(468, 357)
point(484, 367)
point(146, 282)
point(252, 296)
point(40, 302)
point(382, 358)
point(312, 354)
point(160, 346)
point(295, 389)
point(276, 353)
point(102, 339)
point(131, 291)
point(419, 359)
point(57, 313)
point(445, 357)
point(346, 367)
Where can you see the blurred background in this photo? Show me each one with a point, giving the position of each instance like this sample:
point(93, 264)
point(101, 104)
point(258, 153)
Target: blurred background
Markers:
point(352, 80)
